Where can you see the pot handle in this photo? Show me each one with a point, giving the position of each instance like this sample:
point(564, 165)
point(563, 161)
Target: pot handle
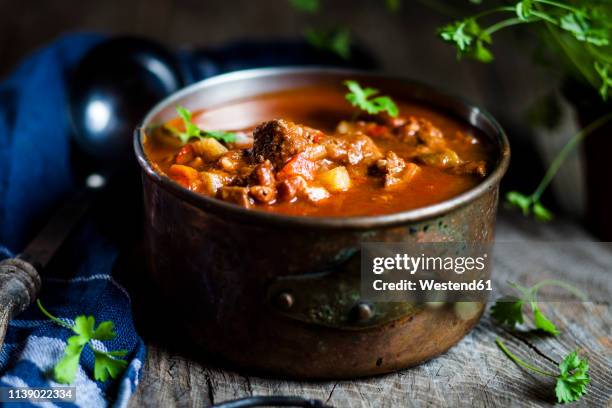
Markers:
point(331, 297)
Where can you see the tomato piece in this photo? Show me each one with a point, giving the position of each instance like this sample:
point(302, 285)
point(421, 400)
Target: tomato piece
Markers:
point(297, 166)
point(186, 176)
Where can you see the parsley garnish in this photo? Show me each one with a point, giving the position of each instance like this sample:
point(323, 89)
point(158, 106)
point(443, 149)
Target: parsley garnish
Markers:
point(530, 204)
point(509, 310)
point(106, 363)
point(192, 130)
point(306, 6)
point(337, 40)
point(572, 378)
point(366, 99)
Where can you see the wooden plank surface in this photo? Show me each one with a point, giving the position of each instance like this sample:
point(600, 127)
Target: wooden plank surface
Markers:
point(472, 374)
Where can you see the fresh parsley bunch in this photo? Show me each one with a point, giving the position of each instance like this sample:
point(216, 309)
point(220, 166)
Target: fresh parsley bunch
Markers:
point(368, 100)
point(509, 310)
point(586, 22)
point(193, 131)
point(572, 378)
point(106, 363)
point(581, 32)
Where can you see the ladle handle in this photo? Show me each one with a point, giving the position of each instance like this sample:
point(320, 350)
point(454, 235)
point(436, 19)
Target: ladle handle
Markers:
point(19, 287)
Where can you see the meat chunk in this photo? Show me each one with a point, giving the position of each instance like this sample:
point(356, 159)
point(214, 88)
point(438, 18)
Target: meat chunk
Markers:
point(288, 189)
point(263, 194)
point(263, 174)
point(478, 168)
point(352, 149)
point(421, 131)
point(395, 169)
point(279, 140)
point(236, 195)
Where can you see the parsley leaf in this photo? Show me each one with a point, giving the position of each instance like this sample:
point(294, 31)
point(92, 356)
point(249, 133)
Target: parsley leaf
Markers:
point(106, 363)
point(529, 205)
point(337, 41)
point(65, 370)
point(469, 38)
point(305, 6)
point(192, 130)
point(602, 70)
point(393, 5)
point(366, 99)
point(572, 378)
point(509, 310)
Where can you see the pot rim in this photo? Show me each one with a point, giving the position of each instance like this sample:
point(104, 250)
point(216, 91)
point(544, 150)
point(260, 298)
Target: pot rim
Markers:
point(336, 223)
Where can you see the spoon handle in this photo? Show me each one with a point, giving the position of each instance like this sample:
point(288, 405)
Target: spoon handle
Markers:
point(20, 276)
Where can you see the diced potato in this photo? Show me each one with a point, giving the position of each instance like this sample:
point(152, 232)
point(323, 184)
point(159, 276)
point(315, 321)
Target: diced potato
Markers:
point(314, 194)
point(335, 180)
point(211, 182)
point(209, 149)
point(186, 176)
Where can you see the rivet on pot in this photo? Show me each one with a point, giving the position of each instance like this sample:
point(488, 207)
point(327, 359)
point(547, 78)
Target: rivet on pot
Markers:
point(362, 312)
point(284, 300)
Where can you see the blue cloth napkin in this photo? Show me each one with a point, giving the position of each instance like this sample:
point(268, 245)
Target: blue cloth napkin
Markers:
point(36, 175)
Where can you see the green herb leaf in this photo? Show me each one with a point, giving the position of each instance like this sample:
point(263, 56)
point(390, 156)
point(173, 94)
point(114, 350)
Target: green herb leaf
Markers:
point(337, 41)
point(393, 5)
point(603, 70)
point(106, 365)
point(508, 311)
point(193, 131)
point(305, 6)
point(541, 213)
point(105, 331)
point(523, 9)
point(542, 322)
point(366, 99)
point(105, 362)
point(65, 370)
point(572, 378)
point(529, 205)
point(84, 326)
point(578, 23)
point(469, 39)
point(516, 199)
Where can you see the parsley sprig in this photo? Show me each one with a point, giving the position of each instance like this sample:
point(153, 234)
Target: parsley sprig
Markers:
point(509, 310)
point(106, 363)
point(572, 378)
point(587, 25)
point(368, 100)
point(336, 40)
point(581, 30)
point(193, 131)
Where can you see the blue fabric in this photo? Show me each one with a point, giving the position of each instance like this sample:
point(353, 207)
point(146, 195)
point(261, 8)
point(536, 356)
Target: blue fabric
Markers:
point(35, 176)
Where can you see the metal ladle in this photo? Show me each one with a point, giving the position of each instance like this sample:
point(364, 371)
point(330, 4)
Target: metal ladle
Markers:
point(114, 86)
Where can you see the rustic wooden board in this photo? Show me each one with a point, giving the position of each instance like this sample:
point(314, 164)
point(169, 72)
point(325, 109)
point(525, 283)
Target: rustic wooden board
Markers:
point(472, 374)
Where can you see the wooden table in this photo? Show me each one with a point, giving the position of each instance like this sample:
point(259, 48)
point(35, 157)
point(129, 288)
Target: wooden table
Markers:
point(474, 373)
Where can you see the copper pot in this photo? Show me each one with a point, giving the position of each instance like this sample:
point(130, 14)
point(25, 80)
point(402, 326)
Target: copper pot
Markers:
point(245, 278)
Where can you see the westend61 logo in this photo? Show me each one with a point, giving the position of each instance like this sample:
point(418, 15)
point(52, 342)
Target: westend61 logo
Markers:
point(418, 272)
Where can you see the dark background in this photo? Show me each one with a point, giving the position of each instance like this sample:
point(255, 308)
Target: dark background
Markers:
point(404, 42)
